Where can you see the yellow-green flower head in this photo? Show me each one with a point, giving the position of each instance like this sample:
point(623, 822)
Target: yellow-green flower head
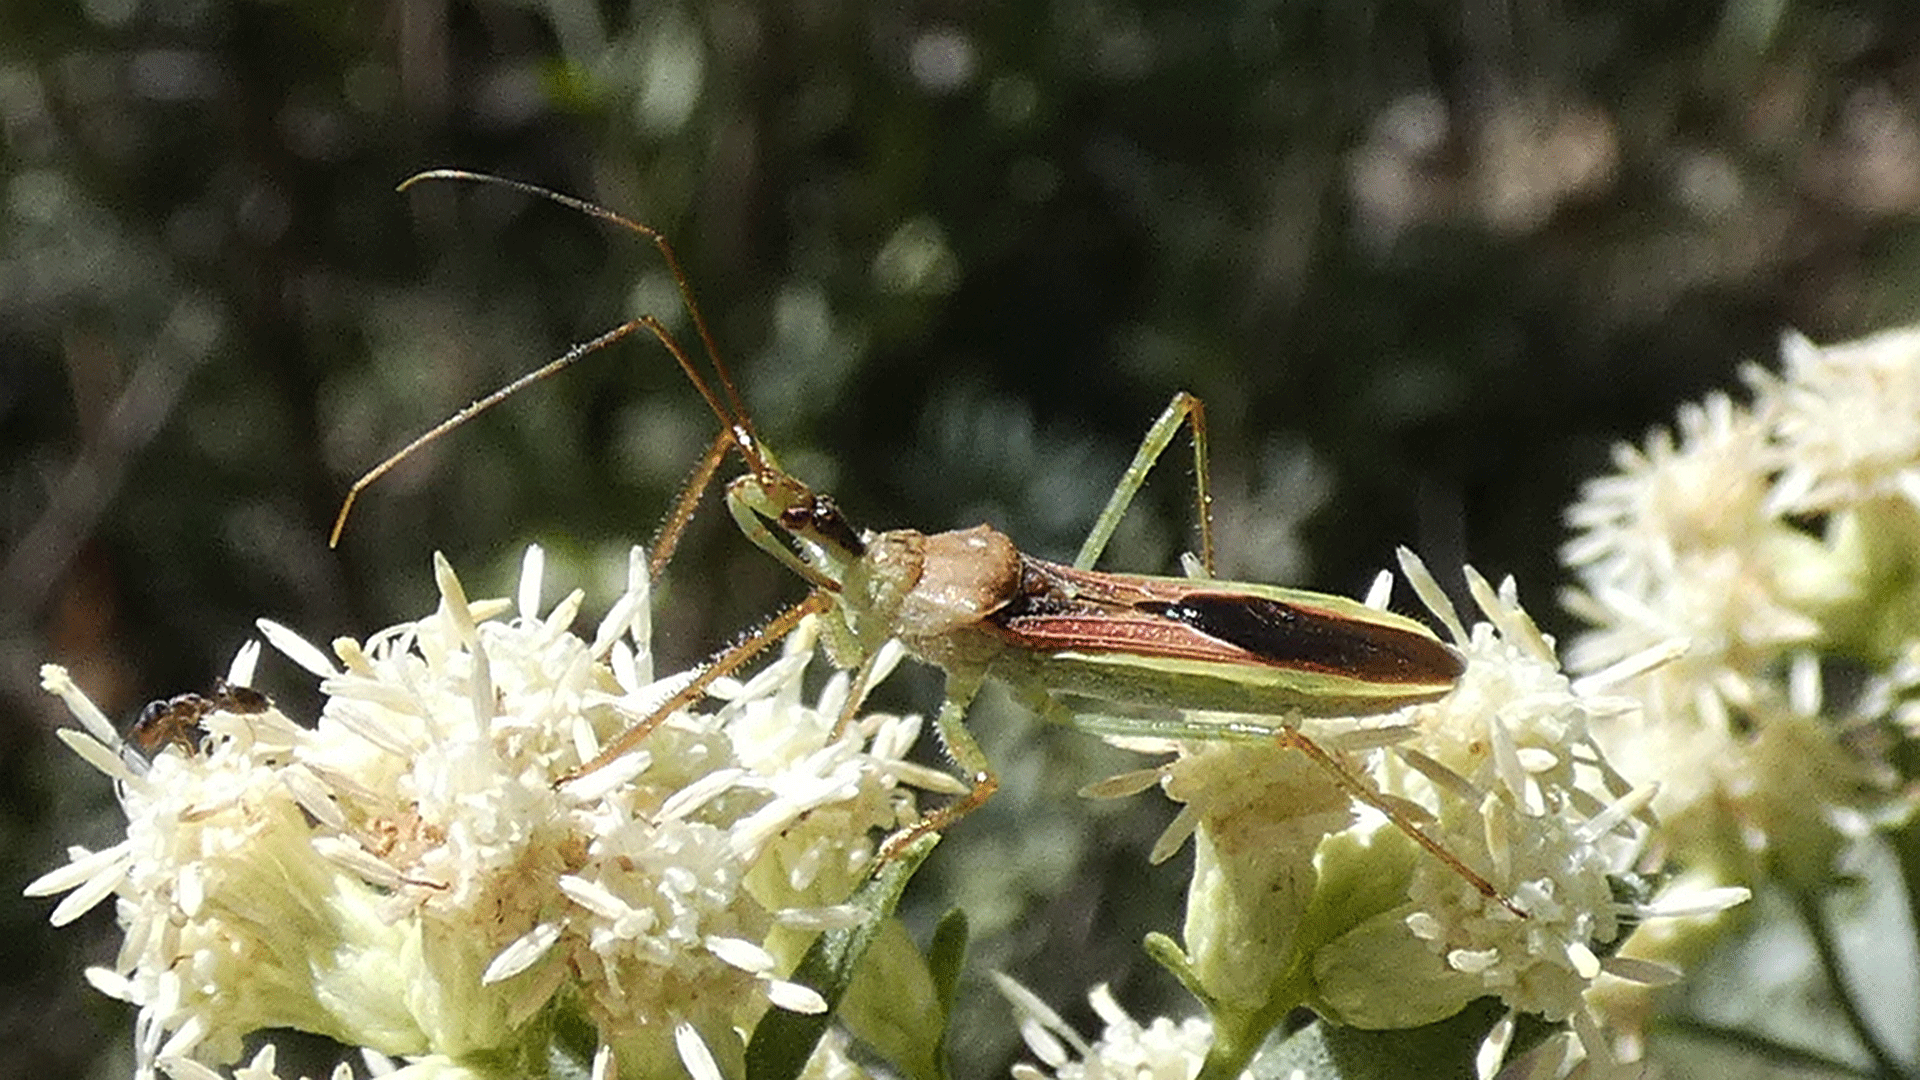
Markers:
point(408, 876)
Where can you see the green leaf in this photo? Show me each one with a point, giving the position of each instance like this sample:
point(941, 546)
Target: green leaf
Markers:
point(1441, 1051)
point(946, 956)
point(783, 1041)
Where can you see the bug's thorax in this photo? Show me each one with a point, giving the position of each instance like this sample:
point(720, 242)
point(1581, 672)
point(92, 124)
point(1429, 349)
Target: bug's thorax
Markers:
point(933, 591)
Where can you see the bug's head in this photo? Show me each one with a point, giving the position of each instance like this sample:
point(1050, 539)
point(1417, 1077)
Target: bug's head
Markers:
point(801, 527)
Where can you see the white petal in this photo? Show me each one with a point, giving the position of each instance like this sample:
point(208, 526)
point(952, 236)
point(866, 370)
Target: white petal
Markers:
point(94, 753)
point(296, 648)
point(1630, 667)
point(740, 953)
point(640, 584)
point(453, 596)
point(594, 897)
point(185, 1068)
point(836, 917)
point(699, 793)
point(354, 859)
point(1621, 809)
point(1045, 1023)
point(694, 1053)
point(614, 624)
point(1681, 903)
point(55, 680)
point(190, 888)
point(1536, 759)
point(1585, 964)
point(81, 900)
point(610, 777)
point(245, 660)
point(109, 982)
point(1431, 594)
point(1380, 593)
point(312, 795)
point(1472, 961)
point(261, 1067)
point(361, 721)
point(185, 1037)
point(377, 1063)
point(795, 998)
point(84, 866)
point(1493, 1048)
point(533, 569)
point(1045, 1044)
point(927, 778)
point(560, 619)
point(523, 953)
point(1107, 1008)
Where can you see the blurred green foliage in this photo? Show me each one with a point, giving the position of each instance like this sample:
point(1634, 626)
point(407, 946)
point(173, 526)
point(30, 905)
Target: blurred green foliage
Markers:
point(1423, 262)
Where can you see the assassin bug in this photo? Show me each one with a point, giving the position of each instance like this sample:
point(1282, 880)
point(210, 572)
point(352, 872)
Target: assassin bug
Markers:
point(970, 603)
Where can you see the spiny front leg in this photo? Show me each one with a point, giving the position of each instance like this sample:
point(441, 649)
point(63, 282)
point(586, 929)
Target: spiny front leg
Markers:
point(967, 756)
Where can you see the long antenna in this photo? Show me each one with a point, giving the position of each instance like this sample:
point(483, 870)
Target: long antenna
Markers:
point(737, 409)
point(472, 410)
point(736, 424)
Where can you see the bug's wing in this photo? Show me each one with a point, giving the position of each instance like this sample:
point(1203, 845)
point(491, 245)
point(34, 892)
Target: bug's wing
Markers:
point(1219, 645)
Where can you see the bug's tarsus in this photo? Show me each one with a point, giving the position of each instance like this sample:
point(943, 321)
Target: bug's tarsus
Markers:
point(965, 751)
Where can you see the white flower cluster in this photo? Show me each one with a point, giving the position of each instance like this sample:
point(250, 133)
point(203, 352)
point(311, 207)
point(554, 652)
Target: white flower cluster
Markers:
point(1161, 1049)
point(415, 874)
point(1759, 542)
point(1293, 901)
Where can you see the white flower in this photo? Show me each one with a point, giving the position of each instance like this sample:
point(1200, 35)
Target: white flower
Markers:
point(1847, 421)
point(1294, 901)
point(1161, 1049)
point(407, 876)
point(1518, 790)
point(1701, 549)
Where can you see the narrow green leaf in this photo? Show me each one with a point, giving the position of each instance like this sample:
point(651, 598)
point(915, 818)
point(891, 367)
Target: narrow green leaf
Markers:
point(783, 1041)
point(947, 955)
point(893, 1005)
point(1167, 953)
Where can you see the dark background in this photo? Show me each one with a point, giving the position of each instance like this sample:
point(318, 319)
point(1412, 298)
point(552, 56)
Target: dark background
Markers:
point(1424, 262)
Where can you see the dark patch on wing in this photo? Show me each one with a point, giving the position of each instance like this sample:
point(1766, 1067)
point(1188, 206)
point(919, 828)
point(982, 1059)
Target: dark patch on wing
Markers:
point(1300, 637)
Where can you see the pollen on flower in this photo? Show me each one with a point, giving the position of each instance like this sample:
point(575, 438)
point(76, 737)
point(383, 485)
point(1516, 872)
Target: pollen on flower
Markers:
point(404, 874)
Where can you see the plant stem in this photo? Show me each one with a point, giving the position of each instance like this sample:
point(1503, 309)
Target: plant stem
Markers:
point(1814, 917)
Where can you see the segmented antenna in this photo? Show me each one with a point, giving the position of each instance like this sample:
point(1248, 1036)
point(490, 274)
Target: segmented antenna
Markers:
point(736, 425)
